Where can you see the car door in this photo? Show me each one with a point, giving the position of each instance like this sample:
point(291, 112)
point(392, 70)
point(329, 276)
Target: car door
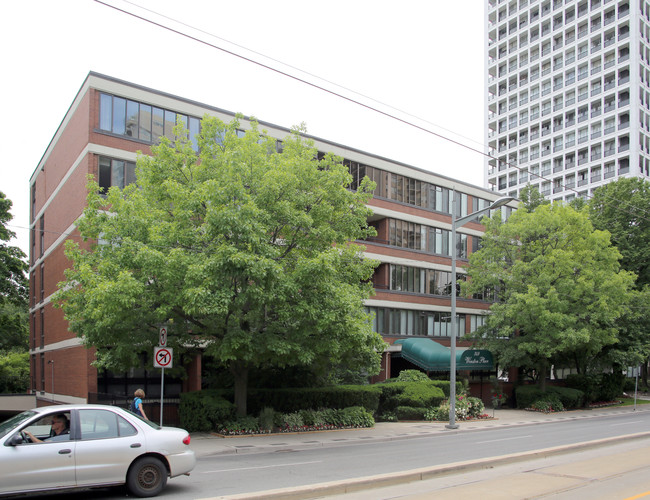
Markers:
point(36, 466)
point(107, 445)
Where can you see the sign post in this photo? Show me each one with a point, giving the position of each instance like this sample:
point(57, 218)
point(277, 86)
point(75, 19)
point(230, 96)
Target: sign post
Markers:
point(162, 358)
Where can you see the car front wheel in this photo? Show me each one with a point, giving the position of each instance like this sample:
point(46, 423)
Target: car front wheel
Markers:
point(147, 477)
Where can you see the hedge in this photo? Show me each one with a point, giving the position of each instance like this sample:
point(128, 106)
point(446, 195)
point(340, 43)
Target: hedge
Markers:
point(526, 395)
point(295, 399)
point(598, 387)
point(204, 411)
point(412, 394)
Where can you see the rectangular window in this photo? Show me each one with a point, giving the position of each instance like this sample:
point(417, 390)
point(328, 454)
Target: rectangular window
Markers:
point(42, 387)
point(113, 172)
point(42, 286)
point(105, 112)
point(144, 130)
point(42, 236)
point(194, 128)
point(158, 124)
point(42, 317)
point(132, 118)
point(170, 123)
point(119, 116)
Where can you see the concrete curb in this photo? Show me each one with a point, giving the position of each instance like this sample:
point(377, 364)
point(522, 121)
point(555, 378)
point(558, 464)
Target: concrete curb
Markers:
point(391, 479)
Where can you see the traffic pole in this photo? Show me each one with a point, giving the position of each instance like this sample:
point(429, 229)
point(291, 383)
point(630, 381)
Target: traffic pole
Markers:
point(162, 392)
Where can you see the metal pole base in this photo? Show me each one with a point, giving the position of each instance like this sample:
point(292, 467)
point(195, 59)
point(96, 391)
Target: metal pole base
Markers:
point(450, 426)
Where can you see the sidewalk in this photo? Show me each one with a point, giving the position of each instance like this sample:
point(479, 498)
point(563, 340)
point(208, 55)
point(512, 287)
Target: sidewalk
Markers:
point(209, 444)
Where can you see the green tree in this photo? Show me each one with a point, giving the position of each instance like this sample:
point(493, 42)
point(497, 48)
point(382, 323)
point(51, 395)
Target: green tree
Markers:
point(244, 252)
point(14, 293)
point(559, 286)
point(14, 372)
point(531, 198)
point(622, 207)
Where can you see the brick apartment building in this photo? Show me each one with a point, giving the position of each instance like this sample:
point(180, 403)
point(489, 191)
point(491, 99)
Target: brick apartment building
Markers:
point(110, 120)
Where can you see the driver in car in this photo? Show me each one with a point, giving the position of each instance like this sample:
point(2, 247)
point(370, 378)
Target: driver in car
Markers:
point(60, 427)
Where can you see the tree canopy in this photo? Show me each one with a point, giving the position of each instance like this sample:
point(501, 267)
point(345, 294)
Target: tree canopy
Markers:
point(13, 286)
point(559, 286)
point(622, 207)
point(242, 250)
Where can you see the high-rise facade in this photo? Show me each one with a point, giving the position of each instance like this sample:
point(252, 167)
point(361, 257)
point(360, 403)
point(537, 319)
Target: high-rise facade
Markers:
point(567, 94)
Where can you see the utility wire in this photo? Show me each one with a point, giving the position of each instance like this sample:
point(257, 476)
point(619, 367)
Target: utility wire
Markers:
point(633, 211)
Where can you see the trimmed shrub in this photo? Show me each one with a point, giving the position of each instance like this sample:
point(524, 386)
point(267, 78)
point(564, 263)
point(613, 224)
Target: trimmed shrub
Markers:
point(467, 407)
point(240, 425)
point(526, 395)
point(611, 386)
point(412, 376)
point(548, 404)
point(295, 399)
point(267, 419)
point(410, 413)
point(588, 384)
point(414, 394)
point(354, 416)
point(204, 411)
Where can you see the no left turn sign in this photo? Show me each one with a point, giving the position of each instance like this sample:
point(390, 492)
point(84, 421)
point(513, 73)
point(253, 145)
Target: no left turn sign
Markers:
point(162, 357)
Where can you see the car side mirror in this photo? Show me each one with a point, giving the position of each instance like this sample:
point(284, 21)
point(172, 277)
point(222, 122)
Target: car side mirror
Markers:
point(16, 440)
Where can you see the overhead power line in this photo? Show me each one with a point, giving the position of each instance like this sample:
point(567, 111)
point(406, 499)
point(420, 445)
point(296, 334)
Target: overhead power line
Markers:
point(632, 210)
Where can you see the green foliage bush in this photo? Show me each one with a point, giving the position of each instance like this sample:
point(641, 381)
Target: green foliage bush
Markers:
point(611, 386)
point(467, 407)
point(204, 411)
point(240, 425)
point(14, 372)
point(526, 395)
point(548, 404)
point(412, 376)
point(410, 413)
point(354, 416)
point(414, 394)
point(267, 419)
point(588, 384)
point(599, 387)
point(289, 400)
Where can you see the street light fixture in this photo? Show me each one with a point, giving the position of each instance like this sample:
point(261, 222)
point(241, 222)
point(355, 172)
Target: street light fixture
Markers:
point(455, 223)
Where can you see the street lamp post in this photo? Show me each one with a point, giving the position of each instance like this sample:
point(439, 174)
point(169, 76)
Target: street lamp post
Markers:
point(456, 223)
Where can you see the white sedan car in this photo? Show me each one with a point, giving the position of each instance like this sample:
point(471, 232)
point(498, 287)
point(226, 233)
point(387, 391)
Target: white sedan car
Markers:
point(84, 446)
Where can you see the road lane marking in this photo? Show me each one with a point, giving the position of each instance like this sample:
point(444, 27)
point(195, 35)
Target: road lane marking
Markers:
point(640, 495)
point(627, 423)
point(261, 467)
point(503, 439)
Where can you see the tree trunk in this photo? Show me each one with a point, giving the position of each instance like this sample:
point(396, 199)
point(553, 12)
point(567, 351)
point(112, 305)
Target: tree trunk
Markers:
point(543, 370)
point(239, 371)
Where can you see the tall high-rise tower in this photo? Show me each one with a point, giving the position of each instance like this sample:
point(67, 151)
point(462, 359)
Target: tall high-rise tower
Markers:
point(567, 94)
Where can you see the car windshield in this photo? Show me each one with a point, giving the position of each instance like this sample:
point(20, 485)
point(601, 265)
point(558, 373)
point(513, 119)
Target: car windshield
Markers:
point(9, 424)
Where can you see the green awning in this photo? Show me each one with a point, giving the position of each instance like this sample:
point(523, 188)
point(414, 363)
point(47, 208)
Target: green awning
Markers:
point(432, 356)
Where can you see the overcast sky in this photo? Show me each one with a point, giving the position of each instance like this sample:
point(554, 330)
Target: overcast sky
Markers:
point(422, 57)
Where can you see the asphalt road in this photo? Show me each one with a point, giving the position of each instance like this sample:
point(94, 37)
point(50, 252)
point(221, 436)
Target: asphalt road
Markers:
point(245, 474)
